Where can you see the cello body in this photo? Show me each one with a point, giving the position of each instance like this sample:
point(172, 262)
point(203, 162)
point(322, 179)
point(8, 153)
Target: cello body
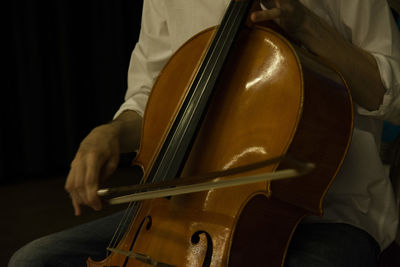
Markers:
point(266, 103)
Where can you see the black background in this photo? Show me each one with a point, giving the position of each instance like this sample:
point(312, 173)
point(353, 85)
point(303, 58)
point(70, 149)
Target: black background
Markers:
point(65, 73)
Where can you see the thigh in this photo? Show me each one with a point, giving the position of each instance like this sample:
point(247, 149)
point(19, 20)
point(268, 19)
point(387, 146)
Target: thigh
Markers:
point(70, 247)
point(331, 245)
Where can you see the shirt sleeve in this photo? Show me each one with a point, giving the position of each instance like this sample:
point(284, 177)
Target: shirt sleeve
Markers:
point(149, 56)
point(372, 27)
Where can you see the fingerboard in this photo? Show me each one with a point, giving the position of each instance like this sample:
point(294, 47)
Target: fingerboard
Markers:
point(171, 157)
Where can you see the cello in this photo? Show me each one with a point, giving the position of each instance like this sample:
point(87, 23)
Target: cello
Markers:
point(237, 94)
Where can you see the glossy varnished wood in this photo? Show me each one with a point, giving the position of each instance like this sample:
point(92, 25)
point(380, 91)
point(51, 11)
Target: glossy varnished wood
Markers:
point(262, 108)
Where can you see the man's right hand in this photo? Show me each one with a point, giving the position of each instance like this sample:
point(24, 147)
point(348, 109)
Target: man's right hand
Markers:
point(96, 159)
point(98, 156)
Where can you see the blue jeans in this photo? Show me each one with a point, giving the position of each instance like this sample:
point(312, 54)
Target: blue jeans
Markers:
point(313, 245)
point(332, 245)
point(70, 247)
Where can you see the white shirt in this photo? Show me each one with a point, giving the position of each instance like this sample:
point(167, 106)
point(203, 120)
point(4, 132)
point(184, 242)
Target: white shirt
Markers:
point(361, 194)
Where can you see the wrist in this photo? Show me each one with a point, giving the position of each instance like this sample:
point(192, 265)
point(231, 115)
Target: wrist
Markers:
point(127, 128)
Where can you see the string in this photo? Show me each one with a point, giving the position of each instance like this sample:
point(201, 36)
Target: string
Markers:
point(183, 129)
point(129, 215)
point(132, 208)
point(126, 219)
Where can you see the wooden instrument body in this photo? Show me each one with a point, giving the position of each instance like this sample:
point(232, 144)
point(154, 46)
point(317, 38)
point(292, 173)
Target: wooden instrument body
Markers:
point(266, 104)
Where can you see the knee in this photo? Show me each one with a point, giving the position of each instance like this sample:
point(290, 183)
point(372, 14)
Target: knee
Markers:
point(32, 254)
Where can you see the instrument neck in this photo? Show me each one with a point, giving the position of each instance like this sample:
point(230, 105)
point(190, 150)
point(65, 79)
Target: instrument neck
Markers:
point(173, 153)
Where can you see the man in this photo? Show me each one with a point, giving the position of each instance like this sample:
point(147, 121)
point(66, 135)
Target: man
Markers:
point(358, 37)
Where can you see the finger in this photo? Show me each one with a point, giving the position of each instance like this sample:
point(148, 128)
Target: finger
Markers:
point(92, 184)
point(265, 15)
point(94, 178)
point(93, 199)
point(69, 188)
point(76, 204)
point(79, 183)
point(277, 3)
point(69, 181)
point(91, 187)
point(268, 4)
point(75, 184)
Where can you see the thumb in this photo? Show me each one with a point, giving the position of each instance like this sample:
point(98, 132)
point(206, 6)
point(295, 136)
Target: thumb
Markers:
point(110, 167)
point(265, 15)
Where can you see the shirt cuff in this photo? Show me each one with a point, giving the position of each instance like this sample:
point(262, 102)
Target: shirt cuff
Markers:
point(389, 108)
point(137, 104)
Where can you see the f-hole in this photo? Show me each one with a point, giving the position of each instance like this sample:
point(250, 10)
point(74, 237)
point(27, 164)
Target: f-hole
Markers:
point(196, 238)
point(147, 222)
